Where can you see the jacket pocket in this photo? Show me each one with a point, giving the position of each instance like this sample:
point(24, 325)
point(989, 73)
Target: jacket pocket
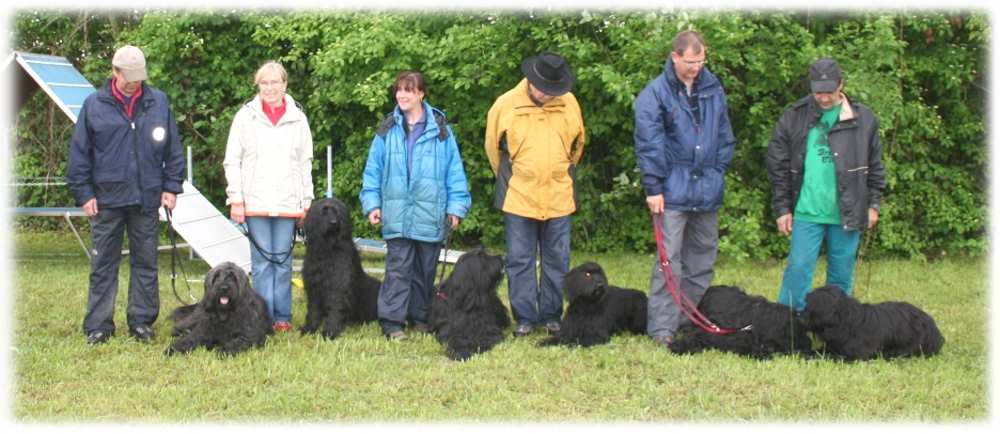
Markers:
point(678, 185)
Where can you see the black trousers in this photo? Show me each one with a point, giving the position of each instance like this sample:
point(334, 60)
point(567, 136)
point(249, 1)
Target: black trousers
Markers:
point(109, 226)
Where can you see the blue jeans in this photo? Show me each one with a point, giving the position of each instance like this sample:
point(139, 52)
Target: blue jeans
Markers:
point(536, 300)
point(406, 292)
point(841, 250)
point(273, 281)
point(109, 227)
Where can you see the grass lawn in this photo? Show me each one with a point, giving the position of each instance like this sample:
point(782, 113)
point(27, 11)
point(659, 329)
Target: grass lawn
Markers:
point(362, 377)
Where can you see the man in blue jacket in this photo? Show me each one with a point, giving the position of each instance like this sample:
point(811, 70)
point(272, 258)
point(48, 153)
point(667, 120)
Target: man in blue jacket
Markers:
point(684, 142)
point(125, 161)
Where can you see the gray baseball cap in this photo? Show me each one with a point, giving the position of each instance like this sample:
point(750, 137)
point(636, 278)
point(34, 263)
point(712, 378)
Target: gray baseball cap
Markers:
point(131, 62)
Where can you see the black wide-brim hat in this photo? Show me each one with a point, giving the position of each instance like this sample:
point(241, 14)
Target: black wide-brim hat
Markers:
point(549, 73)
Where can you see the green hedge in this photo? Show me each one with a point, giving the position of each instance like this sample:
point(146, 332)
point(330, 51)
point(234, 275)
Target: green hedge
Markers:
point(923, 75)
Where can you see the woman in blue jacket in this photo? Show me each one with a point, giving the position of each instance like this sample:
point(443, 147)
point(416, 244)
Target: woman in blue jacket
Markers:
point(415, 186)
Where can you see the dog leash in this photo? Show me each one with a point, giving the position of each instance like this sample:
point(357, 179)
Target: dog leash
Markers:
point(868, 235)
point(447, 243)
point(268, 255)
point(682, 301)
point(174, 259)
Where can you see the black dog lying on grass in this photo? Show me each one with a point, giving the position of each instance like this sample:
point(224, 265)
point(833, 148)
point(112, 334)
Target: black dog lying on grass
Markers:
point(230, 318)
point(763, 328)
point(597, 310)
point(853, 330)
point(466, 314)
point(338, 291)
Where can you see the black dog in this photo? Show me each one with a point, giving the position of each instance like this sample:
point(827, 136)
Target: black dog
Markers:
point(763, 328)
point(338, 291)
point(230, 318)
point(597, 310)
point(466, 314)
point(857, 331)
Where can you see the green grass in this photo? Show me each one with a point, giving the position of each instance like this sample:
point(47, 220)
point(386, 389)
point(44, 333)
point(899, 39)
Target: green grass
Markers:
point(362, 377)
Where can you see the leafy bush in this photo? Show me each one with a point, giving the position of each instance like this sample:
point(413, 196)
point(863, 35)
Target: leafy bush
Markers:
point(922, 74)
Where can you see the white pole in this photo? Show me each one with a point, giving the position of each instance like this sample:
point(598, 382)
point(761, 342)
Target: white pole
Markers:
point(329, 171)
point(190, 170)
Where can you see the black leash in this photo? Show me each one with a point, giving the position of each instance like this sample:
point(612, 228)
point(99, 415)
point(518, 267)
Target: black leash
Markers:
point(175, 260)
point(268, 256)
point(868, 235)
point(447, 243)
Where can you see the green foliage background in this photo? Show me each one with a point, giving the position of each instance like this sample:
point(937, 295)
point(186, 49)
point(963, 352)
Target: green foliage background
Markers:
point(922, 73)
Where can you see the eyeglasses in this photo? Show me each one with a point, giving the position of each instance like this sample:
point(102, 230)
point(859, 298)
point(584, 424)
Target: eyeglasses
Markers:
point(695, 62)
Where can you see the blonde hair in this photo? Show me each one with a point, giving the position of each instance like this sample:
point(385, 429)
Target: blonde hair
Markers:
point(270, 65)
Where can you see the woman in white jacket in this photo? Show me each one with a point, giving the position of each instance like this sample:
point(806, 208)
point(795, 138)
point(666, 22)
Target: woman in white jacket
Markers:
point(268, 169)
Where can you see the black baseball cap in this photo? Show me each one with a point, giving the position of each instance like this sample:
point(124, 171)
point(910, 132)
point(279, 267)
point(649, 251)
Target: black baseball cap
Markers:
point(824, 76)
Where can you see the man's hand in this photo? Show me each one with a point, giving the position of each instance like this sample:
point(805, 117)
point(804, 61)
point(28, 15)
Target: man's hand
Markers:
point(453, 221)
point(785, 224)
point(375, 217)
point(90, 207)
point(168, 200)
point(655, 204)
point(237, 213)
point(872, 218)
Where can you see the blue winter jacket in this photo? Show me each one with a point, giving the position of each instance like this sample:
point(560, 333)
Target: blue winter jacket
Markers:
point(125, 162)
point(682, 159)
point(415, 206)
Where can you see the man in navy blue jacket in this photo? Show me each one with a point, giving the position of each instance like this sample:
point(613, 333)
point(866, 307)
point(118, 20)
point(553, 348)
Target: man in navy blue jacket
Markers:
point(125, 161)
point(684, 143)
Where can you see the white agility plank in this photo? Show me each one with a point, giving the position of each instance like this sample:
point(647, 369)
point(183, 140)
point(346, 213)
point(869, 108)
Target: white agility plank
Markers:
point(374, 246)
point(211, 234)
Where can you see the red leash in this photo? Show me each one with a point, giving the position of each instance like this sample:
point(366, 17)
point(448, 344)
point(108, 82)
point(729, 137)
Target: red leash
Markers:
point(680, 299)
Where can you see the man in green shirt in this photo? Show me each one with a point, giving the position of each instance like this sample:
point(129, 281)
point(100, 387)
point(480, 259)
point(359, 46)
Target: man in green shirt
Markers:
point(824, 162)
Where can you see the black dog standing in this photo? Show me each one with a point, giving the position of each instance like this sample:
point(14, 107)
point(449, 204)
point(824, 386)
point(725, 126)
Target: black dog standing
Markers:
point(230, 318)
point(853, 330)
point(597, 310)
point(466, 314)
point(338, 291)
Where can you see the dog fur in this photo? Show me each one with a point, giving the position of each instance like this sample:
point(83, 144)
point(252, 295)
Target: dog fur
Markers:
point(764, 328)
point(230, 318)
point(466, 314)
point(597, 310)
point(338, 291)
point(852, 330)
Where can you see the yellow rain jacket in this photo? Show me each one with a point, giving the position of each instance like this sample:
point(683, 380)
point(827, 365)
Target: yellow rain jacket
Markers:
point(534, 152)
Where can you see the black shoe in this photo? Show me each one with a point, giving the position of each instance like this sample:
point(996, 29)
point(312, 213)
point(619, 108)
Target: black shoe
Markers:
point(553, 327)
point(421, 327)
point(522, 330)
point(98, 337)
point(143, 333)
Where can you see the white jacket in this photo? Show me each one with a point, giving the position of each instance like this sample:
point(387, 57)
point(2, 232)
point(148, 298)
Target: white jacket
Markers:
point(269, 167)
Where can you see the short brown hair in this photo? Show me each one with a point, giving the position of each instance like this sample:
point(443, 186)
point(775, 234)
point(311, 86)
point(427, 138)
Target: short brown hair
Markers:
point(688, 39)
point(409, 80)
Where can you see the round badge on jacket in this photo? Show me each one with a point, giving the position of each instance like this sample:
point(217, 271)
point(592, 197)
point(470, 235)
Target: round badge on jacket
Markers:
point(159, 133)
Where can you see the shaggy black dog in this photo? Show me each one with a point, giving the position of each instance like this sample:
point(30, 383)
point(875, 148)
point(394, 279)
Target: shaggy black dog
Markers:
point(597, 310)
point(763, 328)
point(857, 331)
point(230, 318)
point(338, 291)
point(466, 314)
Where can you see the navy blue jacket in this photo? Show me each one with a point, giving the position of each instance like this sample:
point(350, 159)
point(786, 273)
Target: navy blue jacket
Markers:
point(125, 162)
point(678, 157)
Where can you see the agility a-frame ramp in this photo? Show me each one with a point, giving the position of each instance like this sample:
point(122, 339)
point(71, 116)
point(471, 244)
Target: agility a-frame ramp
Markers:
point(211, 235)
